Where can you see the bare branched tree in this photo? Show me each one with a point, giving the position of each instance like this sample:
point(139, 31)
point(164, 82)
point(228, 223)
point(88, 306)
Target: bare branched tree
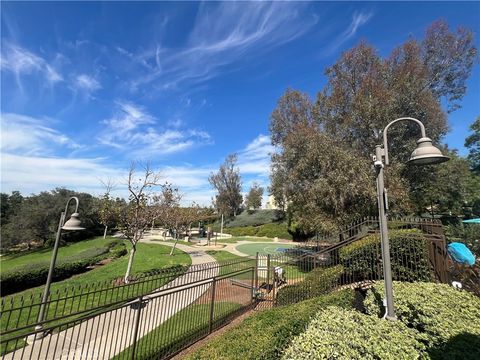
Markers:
point(139, 212)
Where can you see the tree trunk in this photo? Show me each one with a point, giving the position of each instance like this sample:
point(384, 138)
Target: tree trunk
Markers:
point(130, 262)
point(105, 232)
point(174, 245)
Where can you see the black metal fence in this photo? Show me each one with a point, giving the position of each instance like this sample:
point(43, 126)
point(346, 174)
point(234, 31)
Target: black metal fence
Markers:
point(157, 316)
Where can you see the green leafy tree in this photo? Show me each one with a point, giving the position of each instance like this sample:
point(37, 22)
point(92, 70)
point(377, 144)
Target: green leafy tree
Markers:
point(228, 184)
point(364, 92)
point(253, 200)
point(448, 189)
point(472, 142)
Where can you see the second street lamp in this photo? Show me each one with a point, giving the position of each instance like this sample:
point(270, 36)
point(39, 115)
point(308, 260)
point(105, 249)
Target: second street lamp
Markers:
point(424, 154)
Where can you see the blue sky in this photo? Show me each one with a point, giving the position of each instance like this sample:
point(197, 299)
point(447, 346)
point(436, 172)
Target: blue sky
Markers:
point(88, 87)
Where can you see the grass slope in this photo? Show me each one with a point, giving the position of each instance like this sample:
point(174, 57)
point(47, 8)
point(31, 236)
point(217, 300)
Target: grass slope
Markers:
point(15, 261)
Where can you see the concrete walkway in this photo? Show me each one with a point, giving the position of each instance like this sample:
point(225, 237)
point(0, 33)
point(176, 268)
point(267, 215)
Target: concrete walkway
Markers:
point(108, 334)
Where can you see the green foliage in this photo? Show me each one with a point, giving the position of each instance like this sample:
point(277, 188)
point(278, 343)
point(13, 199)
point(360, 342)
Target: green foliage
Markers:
point(409, 257)
point(438, 311)
point(241, 231)
point(268, 230)
point(472, 142)
point(317, 282)
point(449, 188)
point(228, 185)
point(321, 168)
point(265, 335)
point(469, 234)
point(253, 200)
point(336, 333)
point(34, 219)
point(255, 218)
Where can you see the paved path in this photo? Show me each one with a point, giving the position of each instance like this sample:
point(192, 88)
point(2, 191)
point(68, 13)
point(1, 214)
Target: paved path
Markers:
point(108, 334)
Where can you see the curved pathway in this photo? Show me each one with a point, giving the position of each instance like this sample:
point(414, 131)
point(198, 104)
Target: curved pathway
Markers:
point(108, 334)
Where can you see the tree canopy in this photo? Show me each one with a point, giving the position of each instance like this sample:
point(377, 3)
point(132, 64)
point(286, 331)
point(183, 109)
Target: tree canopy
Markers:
point(228, 184)
point(322, 170)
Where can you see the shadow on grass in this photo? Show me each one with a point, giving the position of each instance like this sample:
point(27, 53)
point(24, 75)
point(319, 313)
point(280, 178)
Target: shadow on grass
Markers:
point(464, 346)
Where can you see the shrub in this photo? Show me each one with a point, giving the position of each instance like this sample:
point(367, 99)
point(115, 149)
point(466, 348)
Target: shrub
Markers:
point(317, 282)
point(438, 311)
point(274, 230)
point(266, 334)
point(469, 234)
point(409, 257)
point(255, 218)
point(267, 230)
point(337, 333)
point(241, 231)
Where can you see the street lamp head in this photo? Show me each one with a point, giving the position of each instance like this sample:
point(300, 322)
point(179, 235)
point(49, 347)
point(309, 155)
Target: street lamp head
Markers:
point(426, 153)
point(73, 223)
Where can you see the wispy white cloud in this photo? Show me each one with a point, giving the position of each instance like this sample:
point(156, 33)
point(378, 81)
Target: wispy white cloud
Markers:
point(31, 136)
point(223, 33)
point(22, 62)
point(358, 20)
point(86, 83)
point(255, 158)
point(132, 128)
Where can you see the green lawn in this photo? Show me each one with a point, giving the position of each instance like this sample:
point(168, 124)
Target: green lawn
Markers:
point(148, 257)
point(180, 330)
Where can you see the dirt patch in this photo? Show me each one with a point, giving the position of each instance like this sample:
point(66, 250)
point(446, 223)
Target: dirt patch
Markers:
point(226, 291)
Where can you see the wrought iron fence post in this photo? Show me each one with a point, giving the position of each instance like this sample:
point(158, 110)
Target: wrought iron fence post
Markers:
point(212, 305)
point(136, 326)
point(268, 272)
point(256, 272)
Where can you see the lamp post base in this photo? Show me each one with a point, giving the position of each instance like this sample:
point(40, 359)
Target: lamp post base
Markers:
point(37, 336)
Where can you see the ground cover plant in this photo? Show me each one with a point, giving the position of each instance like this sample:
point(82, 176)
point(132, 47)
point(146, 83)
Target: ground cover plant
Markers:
point(336, 333)
point(448, 320)
point(151, 259)
point(265, 335)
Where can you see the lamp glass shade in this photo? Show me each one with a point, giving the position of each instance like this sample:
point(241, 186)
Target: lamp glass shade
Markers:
point(73, 223)
point(426, 153)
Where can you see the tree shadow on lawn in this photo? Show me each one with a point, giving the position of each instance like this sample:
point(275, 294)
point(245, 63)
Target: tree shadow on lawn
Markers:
point(464, 346)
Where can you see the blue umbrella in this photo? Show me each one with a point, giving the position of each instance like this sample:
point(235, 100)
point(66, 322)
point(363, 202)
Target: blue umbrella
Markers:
point(472, 221)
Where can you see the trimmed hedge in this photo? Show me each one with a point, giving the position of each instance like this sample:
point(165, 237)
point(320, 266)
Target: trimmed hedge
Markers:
point(448, 320)
point(35, 274)
point(362, 259)
point(266, 334)
point(317, 282)
point(267, 230)
point(337, 333)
